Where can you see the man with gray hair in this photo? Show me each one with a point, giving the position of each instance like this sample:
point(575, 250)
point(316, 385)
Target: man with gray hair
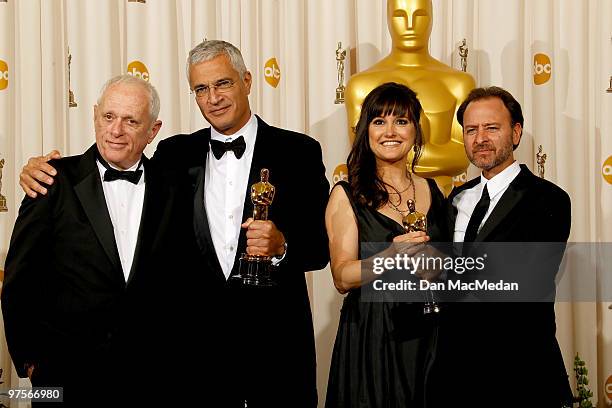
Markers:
point(261, 351)
point(88, 261)
point(265, 336)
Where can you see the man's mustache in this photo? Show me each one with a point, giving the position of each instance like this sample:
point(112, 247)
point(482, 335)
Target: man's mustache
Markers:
point(482, 147)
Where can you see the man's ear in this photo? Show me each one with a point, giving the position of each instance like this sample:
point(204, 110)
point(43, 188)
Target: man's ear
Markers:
point(248, 80)
point(154, 130)
point(517, 132)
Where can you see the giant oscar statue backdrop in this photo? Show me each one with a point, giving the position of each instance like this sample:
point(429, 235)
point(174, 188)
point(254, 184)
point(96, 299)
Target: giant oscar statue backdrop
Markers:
point(440, 88)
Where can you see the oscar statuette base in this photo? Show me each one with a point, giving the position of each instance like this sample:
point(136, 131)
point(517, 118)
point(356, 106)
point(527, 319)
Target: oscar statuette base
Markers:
point(254, 270)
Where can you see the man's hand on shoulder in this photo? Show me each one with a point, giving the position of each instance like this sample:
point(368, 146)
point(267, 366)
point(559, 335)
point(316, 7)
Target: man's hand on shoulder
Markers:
point(30, 367)
point(37, 171)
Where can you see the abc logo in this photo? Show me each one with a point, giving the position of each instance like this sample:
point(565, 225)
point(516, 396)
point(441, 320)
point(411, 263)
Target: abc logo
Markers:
point(138, 69)
point(608, 388)
point(606, 170)
point(542, 69)
point(460, 179)
point(272, 72)
point(3, 75)
point(340, 173)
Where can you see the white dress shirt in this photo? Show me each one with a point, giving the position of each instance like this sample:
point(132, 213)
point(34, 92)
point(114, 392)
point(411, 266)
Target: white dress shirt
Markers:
point(124, 201)
point(226, 182)
point(466, 201)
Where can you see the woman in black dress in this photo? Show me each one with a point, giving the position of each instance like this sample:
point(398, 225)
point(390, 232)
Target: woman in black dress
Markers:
point(372, 366)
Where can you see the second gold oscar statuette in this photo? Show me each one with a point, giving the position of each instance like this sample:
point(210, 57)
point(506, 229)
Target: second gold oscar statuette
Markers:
point(3, 207)
point(254, 270)
point(417, 221)
point(340, 57)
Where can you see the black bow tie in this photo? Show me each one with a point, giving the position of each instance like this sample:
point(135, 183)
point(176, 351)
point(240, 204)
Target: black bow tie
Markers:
point(133, 176)
point(238, 146)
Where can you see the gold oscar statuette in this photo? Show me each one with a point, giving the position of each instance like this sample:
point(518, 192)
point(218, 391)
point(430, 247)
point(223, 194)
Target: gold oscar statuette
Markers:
point(3, 207)
point(463, 53)
point(255, 269)
point(417, 221)
point(71, 102)
point(340, 57)
point(540, 160)
point(414, 220)
point(440, 89)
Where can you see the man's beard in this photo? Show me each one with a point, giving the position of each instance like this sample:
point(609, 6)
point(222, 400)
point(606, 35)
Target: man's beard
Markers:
point(500, 156)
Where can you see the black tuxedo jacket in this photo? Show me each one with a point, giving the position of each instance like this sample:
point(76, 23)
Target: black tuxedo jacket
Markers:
point(267, 334)
point(67, 306)
point(489, 350)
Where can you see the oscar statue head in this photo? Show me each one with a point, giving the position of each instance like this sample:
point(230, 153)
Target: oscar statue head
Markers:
point(410, 23)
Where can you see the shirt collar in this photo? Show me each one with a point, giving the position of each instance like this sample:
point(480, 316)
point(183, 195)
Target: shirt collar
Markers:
point(246, 131)
point(134, 167)
point(500, 181)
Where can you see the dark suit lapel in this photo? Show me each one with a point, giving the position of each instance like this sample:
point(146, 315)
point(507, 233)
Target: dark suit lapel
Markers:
point(90, 194)
point(200, 219)
point(154, 199)
point(511, 197)
point(261, 158)
point(452, 210)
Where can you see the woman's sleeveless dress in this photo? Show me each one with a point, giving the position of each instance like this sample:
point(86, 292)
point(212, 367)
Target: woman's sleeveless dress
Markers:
point(372, 364)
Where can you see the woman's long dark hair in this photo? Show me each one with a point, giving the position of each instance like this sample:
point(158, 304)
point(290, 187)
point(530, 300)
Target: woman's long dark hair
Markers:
point(387, 99)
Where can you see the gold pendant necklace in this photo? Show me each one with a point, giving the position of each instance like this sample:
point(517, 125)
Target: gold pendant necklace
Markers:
point(396, 207)
point(412, 220)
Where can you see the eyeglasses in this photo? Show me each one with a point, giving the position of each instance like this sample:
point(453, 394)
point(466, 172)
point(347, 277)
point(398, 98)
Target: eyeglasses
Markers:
point(220, 86)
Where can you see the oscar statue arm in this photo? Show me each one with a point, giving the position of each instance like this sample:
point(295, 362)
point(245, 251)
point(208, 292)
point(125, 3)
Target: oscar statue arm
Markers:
point(460, 88)
point(358, 87)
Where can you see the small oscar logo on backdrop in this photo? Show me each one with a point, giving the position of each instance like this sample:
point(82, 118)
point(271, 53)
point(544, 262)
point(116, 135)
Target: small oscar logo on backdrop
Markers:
point(340, 173)
point(272, 72)
point(542, 69)
point(608, 388)
point(460, 180)
point(606, 170)
point(4, 75)
point(138, 69)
